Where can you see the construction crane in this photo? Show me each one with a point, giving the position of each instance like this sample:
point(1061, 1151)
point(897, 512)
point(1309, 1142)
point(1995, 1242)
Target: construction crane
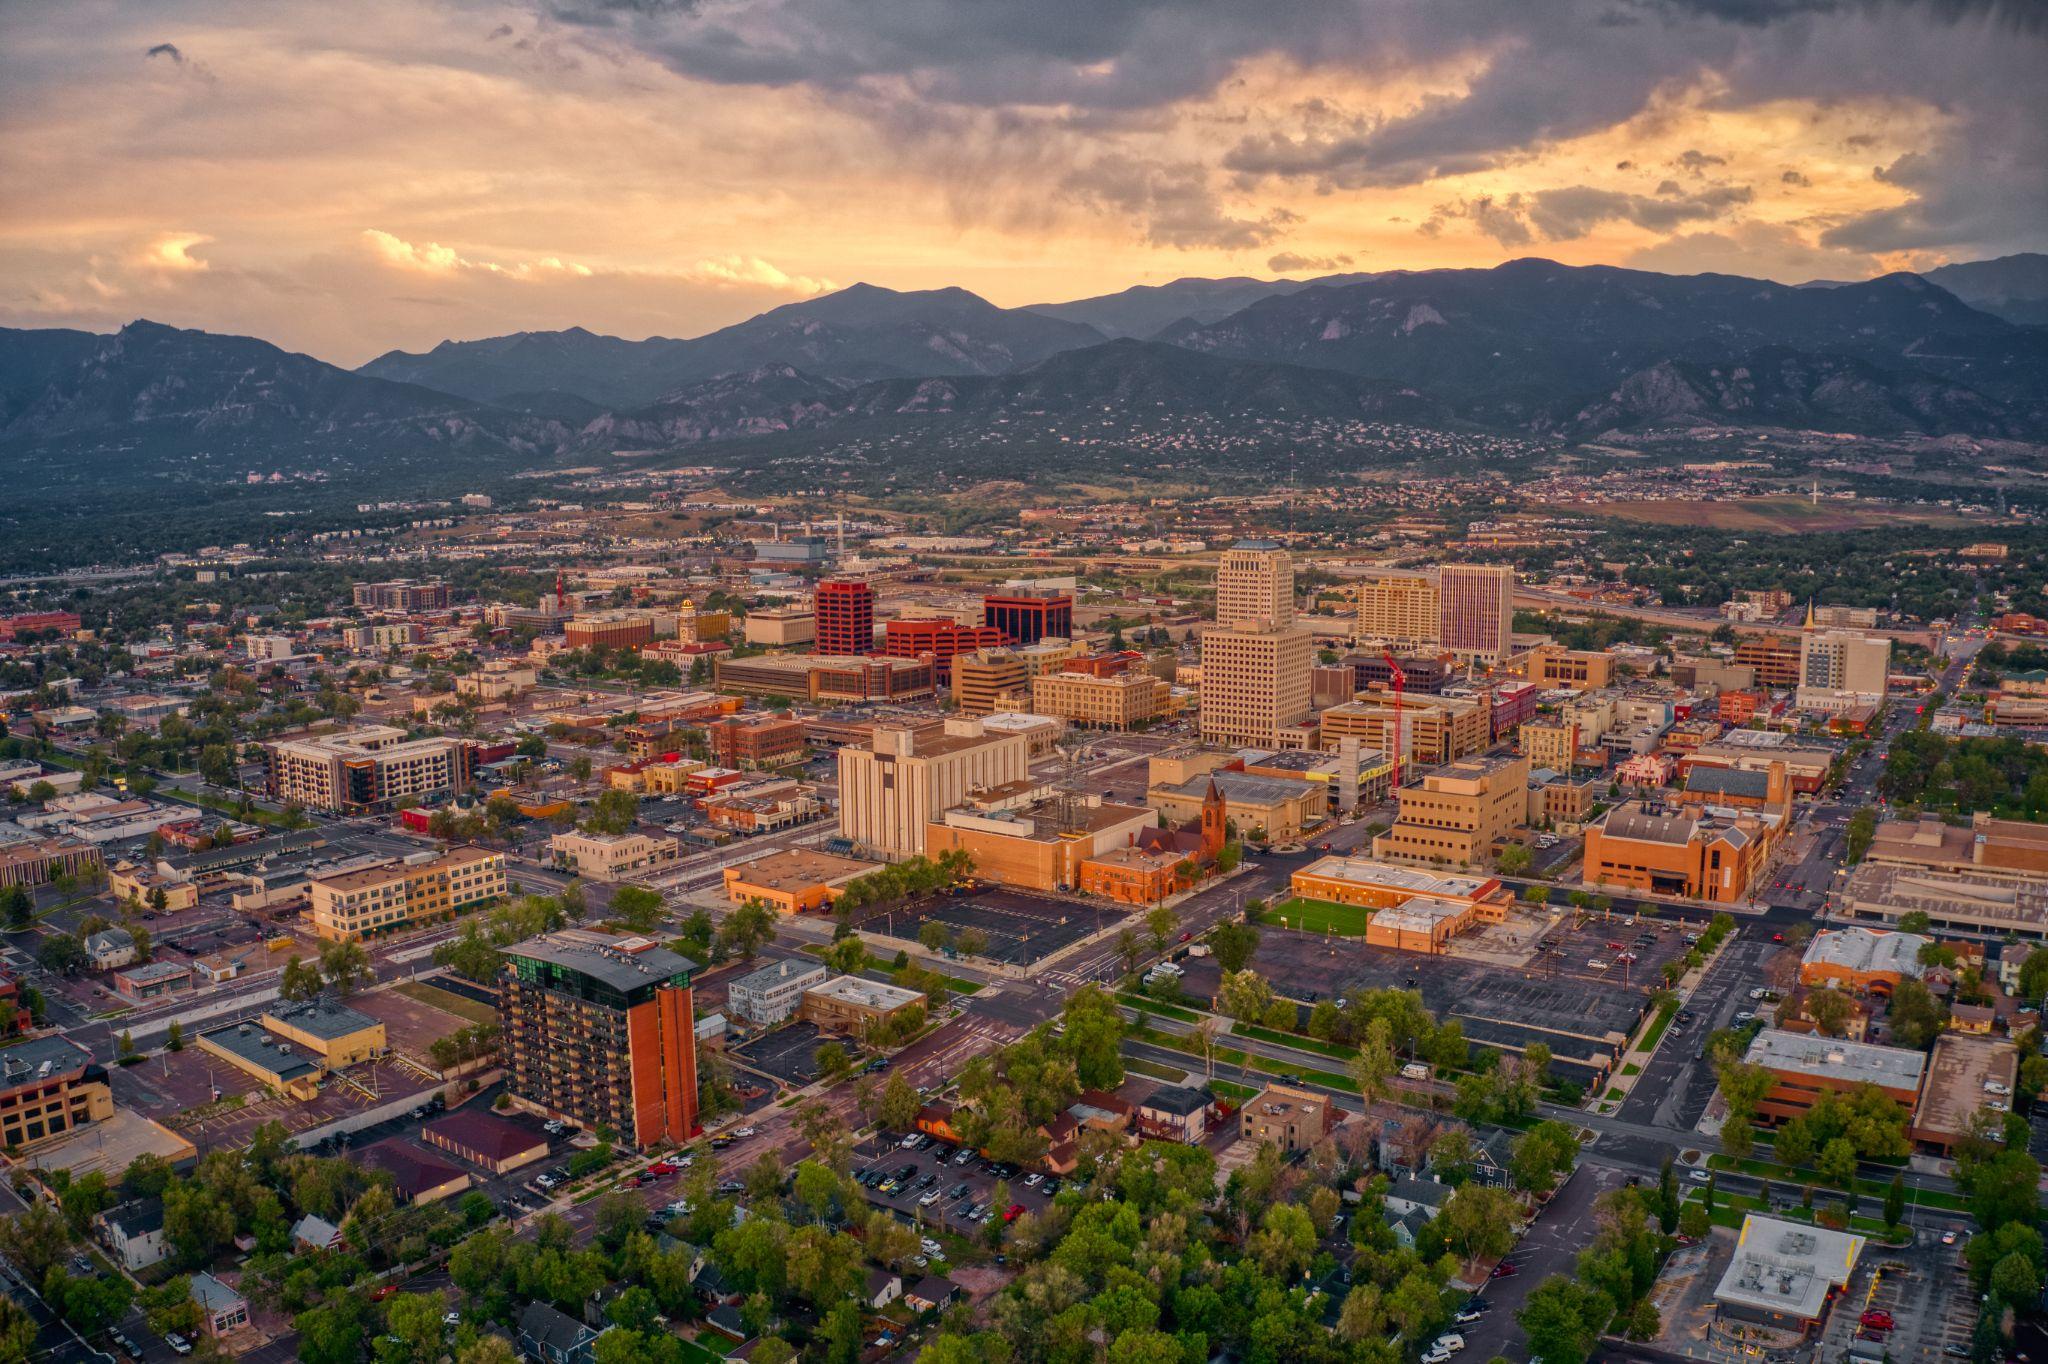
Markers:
point(1400, 681)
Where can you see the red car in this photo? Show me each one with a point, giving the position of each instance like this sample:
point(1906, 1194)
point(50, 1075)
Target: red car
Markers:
point(382, 1291)
point(1877, 1319)
point(663, 1167)
point(1504, 1270)
point(1185, 936)
point(1777, 937)
point(1013, 1212)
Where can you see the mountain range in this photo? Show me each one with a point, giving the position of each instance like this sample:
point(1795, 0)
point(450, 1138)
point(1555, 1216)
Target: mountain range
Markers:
point(1530, 346)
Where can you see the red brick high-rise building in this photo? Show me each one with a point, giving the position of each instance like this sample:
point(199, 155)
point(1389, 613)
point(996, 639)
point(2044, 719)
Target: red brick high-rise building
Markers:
point(845, 610)
point(944, 640)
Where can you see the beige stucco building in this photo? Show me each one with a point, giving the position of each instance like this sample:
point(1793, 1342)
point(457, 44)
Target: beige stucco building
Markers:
point(892, 788)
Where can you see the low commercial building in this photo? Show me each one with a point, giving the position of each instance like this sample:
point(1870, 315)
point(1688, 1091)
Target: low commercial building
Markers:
point(1347, 880)
point(1034, 841)
point(222, 1311)
point(1863, 961)
point(1784, 1275)
point(1696, 852)
point(338, 1035)
point(2003, 848)
point(780, 627)
point(286, 1069)
point(755, 740)
point(1422, 925)
point(1115, 701)
point(1964, 1074)
point(1956, 902)
point(50, 1086)
point(796, 881)
point(1456, 816)
point(988, 679)
point(1291, 1119)
point(36, 861)
point(484, 1139)
point(140, 883)
point(1551, 665)
point(1804, 1066)
point(851, 1005)
point(1277, 808)
point(152, 980)
point(828, 679)
point(771, 994)
point(417, 1176)
point(1427, 729)
point(612, 857)
point(363, 904)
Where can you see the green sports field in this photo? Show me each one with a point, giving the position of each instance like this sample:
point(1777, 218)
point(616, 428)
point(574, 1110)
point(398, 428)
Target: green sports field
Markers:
point(1320, 916)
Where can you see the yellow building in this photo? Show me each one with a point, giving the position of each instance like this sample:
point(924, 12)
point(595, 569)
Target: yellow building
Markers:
point(985, 678)
point(1432, 729)
point(1551, 665)
point(1039, 845)
point(1255, 683)
point(1118, 701)
point(1548, 743)
point(137, 881)
point(1456, 816)
point(611, 857)
point(338, 1035)
point(1398, 609)
point(362, 904)
point(891, 789)
point(49, 1086)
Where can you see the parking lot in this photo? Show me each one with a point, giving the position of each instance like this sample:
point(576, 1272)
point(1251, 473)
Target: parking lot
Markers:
point(1618, 949)
point(1021, 928)
point(935, 1187)
point(789, 1053)
point(1925, 1292)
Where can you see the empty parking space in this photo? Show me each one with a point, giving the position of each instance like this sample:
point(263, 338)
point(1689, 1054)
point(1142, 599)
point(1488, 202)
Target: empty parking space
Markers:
point(788, 1053)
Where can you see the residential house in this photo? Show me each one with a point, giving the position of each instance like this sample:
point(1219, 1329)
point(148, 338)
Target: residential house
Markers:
point(548, 1336)
point(134, 1232)
point(109, 948)
point(883, 1287)
point(933, 1293)
point(1176, 1113)
point(315, 1233)
point(1424, 1196)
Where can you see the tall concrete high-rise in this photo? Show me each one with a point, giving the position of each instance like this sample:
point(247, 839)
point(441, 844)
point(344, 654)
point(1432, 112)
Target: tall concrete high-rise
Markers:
point(1255, 586)
point(1476, 604)
point(1255, 659)
point(1399, 609)
point(845, 617)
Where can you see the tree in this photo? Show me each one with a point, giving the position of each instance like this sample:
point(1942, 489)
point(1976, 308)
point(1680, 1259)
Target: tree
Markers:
point(1830, 1010)
point(1160, 923)
point(1374, 1065)
point(333, 1332)
point(1478, 1222)
point(344, 965)
point(1895, 1201)
point(1563, 1319)
point(636, 908)
point(174, 1036)
point(1514, 859)
point(846, 956)
point(832, 1061)
point(1541, 1154)
point(415, 1318)
point(1233, 943)
point(35, 1239)
point(935, 935)
point(1915, 1017)
point(1667, 1197)
point(748, 929)
point(1246, 996)
point(899, 1105)
point(17, 1332)
point(970, 942)
point(61, 954)
point(1837, 1162)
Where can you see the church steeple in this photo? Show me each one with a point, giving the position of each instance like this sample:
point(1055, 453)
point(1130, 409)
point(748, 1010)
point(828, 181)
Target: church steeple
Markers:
point(1809, 613)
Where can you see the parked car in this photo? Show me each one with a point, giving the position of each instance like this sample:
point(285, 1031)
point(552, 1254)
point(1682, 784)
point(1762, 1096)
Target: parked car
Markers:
point(931, 1247)
point(179, 1345)
point(1013, 1212)
point(1876, 1319)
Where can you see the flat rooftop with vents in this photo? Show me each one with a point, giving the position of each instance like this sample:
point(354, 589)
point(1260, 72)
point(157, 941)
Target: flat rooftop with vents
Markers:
point(1783, 1272)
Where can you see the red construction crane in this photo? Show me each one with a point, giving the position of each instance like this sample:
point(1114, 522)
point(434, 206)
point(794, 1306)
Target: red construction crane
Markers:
point(1400, 681)
point(561, 597)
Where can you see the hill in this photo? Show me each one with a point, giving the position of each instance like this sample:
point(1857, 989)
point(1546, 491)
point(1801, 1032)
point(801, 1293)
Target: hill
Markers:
point(2012, 287)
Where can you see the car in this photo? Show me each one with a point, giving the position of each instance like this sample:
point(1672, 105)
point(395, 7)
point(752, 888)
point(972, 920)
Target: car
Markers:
point(1185, 937)
point(1451, 1341)
point(960, 1190)
point(971, 1212)
point(181, 1346)
point(931, 1247)
point(1948, 1238)
point(1504, 1270)
point(1033, 1180)
point(966, 1157)
point(1698, 1176)
point(554, 1127)
point(663, 1167)
point(1050, 1188)
point(889, 1186)
point(1013, 1212)
point(909, 1143)
point(545, 1181)
point(451, 1318)
point(929, 1199)
point(1876, 1319)
point(1436, 1354)
point(1613, 946)
point(382, 1291)
point(1777, 937)
point(721, 1142)
point(743, 1132)
point(929, 1179)
point(1467, 1315)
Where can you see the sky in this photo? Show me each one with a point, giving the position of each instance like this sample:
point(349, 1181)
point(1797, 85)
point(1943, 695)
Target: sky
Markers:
point(345, 179)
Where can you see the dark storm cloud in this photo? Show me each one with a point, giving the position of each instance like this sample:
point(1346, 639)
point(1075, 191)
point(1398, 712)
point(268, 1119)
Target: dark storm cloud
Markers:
point(1175, 204)
point(1544, 71)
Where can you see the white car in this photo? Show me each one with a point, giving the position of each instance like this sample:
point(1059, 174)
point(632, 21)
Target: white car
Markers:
point(1452, 1342)
point(1436, 1354)
point(928, 1200)
point(931, 1247)
point(1698, 1176)
point(1033, 1180)
point(743, 1132)
point(1994, 1087)
point(908, 1142)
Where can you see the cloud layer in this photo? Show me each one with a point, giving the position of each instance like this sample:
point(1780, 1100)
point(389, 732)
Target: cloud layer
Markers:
point(346, 179)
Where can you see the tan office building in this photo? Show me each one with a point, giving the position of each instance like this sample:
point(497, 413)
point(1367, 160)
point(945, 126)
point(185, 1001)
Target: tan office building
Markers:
point(1552, 666)
point(892, 788)
point(1455, 816)
point(1118, 701)
point(1431, 729)
point(361, 904)
point(611, 857)
point(986, 677)
point(1399, 610)
point(365, 770)
point(1255, 586)
point(1255, 682)
point(779, 627)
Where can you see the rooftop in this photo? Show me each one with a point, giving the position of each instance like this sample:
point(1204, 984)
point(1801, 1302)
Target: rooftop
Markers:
point(1243, 788)
point(1367, 871)
point(39, 1059)
point(866, 994)
point(1810, 1054)
point(1868, 950)
point(778, 972)
point(322, 1018)
point(801, 868)
point(1956, 1075)
point(267, 1052)
point(621, 963)
point(1728, 781)
point(1992, 901)
point(1787, 1267)
point(488, 1135)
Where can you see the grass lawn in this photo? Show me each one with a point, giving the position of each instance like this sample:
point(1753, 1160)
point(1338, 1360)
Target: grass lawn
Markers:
point(1157, 1070)
point(1664, 1017)
point(1158, 1008)
point(447, 1001)
point(693, 1353)
point(1319, 916)
point(1296, 1040)
point(1631, 1069)
point(1865, 1188)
